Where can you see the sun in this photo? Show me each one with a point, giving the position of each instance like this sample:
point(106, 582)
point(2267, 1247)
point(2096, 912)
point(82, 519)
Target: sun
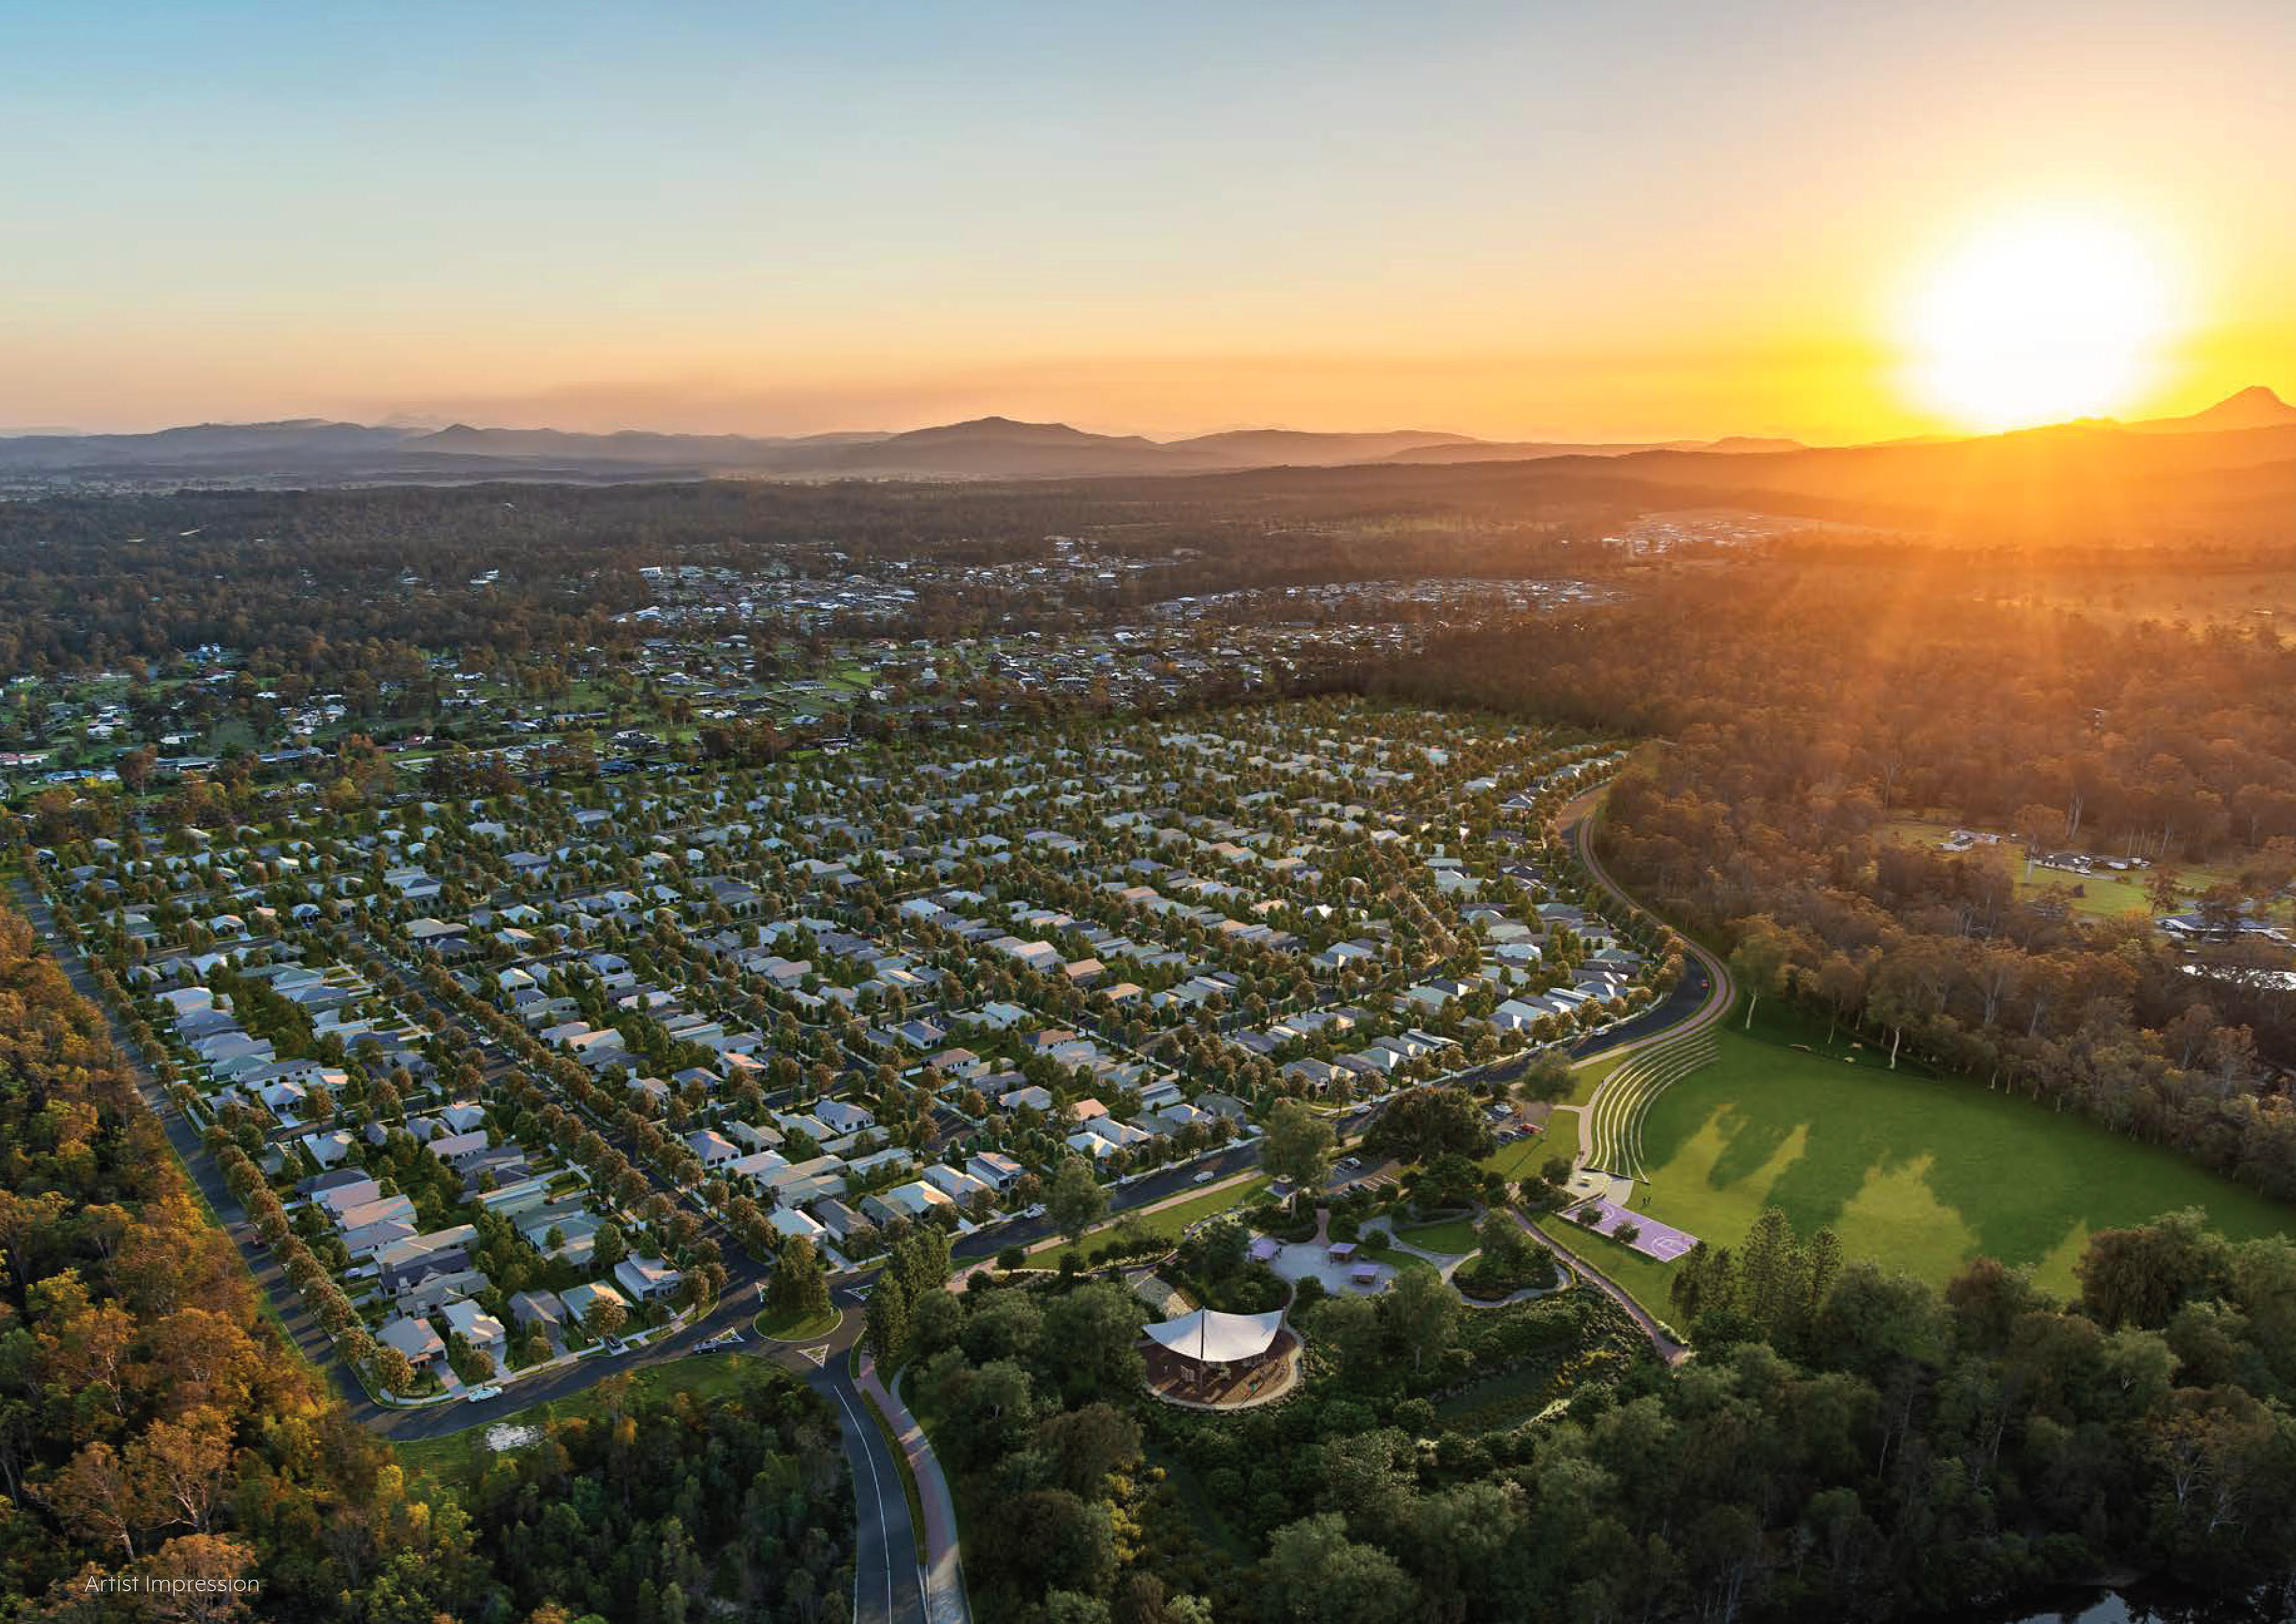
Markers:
point(2037, 319)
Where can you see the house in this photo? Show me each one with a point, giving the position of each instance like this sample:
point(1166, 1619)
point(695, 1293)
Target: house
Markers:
point(383, 1210)
point(1122, 1135)
point(854, 1234)
point(578, 1299)
point(413, 1337)
point(959, 1187)
point(1001, 1016)
point(344, 1195)
point(481, 1330)
point(369, 1239)
point(433, 1292)
point(401, 1264)
point(712, 1148)
point(328, 1149)
point(456, 1150)
point(647, 1279)
point(757, 1165)
point(758, 1137)
point(544, 1311)
point(462, 1117)
point(789, 1221)
point(996, 1170)
point(904, 1203)
point(843, 1116)
point(575, 1225)
point(1316, 1074)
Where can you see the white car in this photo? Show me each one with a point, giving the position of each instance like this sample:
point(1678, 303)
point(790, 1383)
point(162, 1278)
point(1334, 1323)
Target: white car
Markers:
point(1204, 1178)
point(479, 1395)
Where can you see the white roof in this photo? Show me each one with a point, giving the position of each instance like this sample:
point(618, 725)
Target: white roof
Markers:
point(1213, 1338)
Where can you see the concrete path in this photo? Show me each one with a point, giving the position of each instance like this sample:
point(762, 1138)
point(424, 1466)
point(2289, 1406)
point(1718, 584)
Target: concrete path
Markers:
point(943, 1579)
point(1661, 1342)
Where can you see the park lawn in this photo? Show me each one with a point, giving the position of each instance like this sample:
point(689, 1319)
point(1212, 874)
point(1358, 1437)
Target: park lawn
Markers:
point(1643, 1279)
point(1454, 1237)
point(1918, 1173)
point(1518, 1161)
point(1169, 1221)
point(458, 1457)
point(1590, 1076)
point(786, 1326)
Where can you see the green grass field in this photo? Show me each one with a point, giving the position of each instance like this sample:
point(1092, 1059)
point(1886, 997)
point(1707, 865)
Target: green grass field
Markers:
point(1170, 1220)
point(1921, 1173)
point(1592, 1073)
point(783, 1326)
point(1454, 1238)
point(458, 1457)
point(1518, 1161)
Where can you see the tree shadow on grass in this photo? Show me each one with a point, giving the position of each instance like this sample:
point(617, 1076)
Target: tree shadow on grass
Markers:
point(1840, 1148)
point(2004, 1183)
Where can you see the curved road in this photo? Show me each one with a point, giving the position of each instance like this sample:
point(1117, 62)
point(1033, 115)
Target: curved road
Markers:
point(1700, 999)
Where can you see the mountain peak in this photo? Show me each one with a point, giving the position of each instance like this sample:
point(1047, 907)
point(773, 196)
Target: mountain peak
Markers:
point(2253, 407)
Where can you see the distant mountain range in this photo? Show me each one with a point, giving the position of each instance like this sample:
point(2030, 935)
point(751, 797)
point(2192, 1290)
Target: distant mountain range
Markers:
point(985, 447)
point(311, 450)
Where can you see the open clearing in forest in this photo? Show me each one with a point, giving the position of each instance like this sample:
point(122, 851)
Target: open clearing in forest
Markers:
point(459, 1458)
point(2102, 895)
point(1918, 1172)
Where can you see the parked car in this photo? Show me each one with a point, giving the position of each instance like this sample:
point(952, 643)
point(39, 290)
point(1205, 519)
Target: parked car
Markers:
point(1204, 1178)
point(479, 1395)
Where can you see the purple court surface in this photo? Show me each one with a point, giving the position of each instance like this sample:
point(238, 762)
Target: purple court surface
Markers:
point(1656, 1240)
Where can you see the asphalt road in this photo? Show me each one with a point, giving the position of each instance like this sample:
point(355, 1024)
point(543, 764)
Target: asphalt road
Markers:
point(888, 1585)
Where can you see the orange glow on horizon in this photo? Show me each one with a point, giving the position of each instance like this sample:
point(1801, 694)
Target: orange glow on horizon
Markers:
point(2041, 318)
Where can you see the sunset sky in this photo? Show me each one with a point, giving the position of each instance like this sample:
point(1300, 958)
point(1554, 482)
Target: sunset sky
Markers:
point(1635, 219)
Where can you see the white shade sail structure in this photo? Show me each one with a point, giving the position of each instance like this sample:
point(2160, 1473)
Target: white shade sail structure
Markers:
point(1210, 1337)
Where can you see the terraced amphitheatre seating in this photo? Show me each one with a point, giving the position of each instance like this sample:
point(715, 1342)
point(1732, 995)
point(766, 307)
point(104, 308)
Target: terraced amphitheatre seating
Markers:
point(1623, 1099)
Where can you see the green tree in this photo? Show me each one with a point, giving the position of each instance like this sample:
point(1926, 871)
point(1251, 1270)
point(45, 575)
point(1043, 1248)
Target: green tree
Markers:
point(887, 1326)
point(1759, 961)
point(605, 1317)
point(1076, 1200)
point(1421, 1311)
point(1425, 1123)
point(1316, 1574)
point(799, 1286)
point(1547, 1080)
point(1297, 1145)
